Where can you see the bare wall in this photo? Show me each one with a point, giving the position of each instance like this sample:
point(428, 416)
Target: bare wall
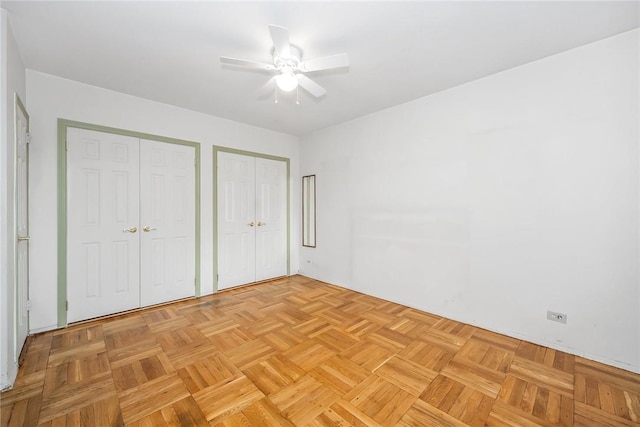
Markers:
point(495, 201)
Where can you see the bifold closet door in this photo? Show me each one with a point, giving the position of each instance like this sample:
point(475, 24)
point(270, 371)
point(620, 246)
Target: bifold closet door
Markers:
point(103, 245)
point(167, 221)
point(252, 219)
point(271, 219)
point(130, 223)
point(236, 219)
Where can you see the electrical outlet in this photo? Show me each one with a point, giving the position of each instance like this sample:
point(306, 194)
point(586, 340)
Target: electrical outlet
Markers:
point(557, 317)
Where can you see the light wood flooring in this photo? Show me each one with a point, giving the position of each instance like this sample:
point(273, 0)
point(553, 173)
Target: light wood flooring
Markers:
point(297, 352)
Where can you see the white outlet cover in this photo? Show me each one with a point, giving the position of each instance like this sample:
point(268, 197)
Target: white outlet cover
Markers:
point(557, 317)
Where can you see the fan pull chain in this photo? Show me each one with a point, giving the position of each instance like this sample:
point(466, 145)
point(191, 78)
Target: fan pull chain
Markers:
point(297, 95)
point(276, 95)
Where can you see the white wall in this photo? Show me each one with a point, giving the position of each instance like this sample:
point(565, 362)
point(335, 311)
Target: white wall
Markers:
point(494, 201)
point(12, 78)
point(52, 97)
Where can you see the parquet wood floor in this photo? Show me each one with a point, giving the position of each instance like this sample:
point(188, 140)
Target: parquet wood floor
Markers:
point(297, 352)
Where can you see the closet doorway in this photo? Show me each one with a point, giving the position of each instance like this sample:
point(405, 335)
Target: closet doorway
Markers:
point(252, 220)
point(131, 220)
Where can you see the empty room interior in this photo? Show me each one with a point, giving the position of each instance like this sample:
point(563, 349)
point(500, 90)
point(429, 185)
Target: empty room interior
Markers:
point(320, 213)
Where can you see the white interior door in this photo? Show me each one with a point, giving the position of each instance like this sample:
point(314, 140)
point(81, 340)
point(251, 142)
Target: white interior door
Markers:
point(22, 225)
point(271, 219)
point(103, 247)
point(236, 219)
point(167, 218)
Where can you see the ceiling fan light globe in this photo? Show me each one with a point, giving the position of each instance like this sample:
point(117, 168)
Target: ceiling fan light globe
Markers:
point(287, 82)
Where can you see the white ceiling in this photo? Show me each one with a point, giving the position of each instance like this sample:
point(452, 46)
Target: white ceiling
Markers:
point(169, 51)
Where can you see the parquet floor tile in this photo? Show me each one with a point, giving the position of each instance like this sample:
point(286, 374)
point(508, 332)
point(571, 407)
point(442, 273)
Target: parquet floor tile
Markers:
point(360, 327)
point(378, 317)
point(283, 339)
point(73, 397)
point(309, 354)
point(422, 414)
point(190, 353)
point(391, 340)
point(409, 376)
point(105, 412)
point(343, 413)
point(178, 338)
point(151, 396)
point(74, 371)
point(304, 399)
point(298, 352)
point(185, 412)
point(410, 327)
point(474, 375)
point(313, 327)
point(427, 354)
point(536, 401)
point(550, 378)
point(25, 387)
point(165, 319)
point(336, 340)
point(340, 373)
point(250, 353)
point(614, 392)
point(274, 374)
point(21, 412)
point(216, 325)
point(140, 371)
point(384, 402)
point(420, 316)
point(218, 402)
point(464, 403)
point(263, 413)
point(265, 326)
point(214, 370)
point(546, 356)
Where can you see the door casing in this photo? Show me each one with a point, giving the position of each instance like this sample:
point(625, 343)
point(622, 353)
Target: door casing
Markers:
point(63, 125)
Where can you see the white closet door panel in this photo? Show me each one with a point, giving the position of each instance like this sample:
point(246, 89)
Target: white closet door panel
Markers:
point(167, 221)
point(271, 219)
point(236, 219)
point(22, 224)
point(102, 224)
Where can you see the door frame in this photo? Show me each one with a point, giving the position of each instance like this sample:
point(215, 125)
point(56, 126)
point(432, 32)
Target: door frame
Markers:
point(216, 150)
point(18, 105)
point(63, 125)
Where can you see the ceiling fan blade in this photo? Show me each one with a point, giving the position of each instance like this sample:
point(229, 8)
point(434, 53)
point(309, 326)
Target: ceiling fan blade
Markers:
point(310, 86)
point(247, 63)
point(267, 88)
point(280, 37)
point(325, 63)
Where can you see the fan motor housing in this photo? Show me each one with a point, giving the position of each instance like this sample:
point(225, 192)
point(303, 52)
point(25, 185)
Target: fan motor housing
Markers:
point(292, 61)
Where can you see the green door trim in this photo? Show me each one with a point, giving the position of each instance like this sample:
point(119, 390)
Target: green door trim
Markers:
point(216, 150)
point(63, 125)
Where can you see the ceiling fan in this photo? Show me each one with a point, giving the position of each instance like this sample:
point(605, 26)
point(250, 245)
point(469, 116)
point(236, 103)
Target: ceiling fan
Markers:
point(288, 64)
